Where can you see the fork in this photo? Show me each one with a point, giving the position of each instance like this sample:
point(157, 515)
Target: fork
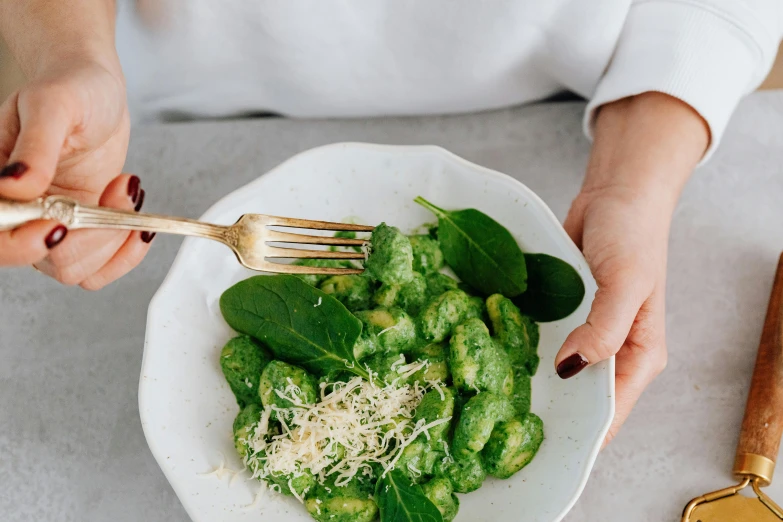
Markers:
point(251, 239)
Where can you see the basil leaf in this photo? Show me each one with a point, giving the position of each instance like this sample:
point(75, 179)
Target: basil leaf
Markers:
point(480, 251)
point(299, 323)
point(399, 500)
point(554, 289)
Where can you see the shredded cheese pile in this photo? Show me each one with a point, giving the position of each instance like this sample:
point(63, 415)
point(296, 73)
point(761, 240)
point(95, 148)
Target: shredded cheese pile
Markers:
point(356, 424)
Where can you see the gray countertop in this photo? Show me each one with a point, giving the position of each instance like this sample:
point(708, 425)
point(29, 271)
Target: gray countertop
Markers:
point(71, 444)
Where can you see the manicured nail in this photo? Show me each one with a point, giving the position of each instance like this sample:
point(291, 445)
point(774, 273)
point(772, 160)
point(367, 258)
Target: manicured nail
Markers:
point(571, 365)
point(147, 236)
point(56, 236)
point(14, 170)
point(140, 202)
point(134, 184)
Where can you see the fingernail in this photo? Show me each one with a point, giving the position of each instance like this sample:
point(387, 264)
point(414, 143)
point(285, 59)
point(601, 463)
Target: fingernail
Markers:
point(56, 236)
point(14, 170)
point(134, 184)
point(140, 202)
point(147, 236)
point(571, 365)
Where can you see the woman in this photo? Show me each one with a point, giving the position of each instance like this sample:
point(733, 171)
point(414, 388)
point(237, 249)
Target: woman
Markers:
point(662, 77)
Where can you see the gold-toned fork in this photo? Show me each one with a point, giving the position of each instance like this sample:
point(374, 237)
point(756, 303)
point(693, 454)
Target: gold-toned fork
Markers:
point(250, 238)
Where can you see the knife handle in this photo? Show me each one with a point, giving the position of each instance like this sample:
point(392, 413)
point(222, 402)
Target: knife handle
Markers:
point(762, 426)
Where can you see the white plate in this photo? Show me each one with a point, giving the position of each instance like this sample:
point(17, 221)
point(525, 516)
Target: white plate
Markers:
point(187, 408)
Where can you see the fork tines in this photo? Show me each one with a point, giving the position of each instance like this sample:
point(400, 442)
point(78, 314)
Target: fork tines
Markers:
point(274, 236)
point(278, 252)
point(301, 253)
point(316, 225)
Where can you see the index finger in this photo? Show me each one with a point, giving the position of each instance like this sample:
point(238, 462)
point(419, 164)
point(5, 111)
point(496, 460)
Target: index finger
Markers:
point(35, 128)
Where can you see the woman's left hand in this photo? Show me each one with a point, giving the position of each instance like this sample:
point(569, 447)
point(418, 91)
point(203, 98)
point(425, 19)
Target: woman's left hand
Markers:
point(645, 149)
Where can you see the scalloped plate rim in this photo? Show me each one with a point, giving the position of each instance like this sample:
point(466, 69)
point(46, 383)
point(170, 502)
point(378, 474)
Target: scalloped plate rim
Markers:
point(275, 171)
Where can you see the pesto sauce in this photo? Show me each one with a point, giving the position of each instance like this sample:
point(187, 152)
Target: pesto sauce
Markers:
point(483, 352)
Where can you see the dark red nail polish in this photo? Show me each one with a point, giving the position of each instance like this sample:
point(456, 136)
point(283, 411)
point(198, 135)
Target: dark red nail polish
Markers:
point(140, 202)
point(134, 184)
point(571, 365)
point(14, 170)
point(147, 236)
point(56, 236)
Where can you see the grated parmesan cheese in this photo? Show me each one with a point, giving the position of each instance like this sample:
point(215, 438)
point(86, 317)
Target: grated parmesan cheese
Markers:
point(406, 370)
point(320, 300)
point(392, 327)
point(436, 386)
point(262, 488)
point(294, 493)
point(399, 362)
point(237, 474)
point(356, 424)
point(221, 470)
point(248, 383)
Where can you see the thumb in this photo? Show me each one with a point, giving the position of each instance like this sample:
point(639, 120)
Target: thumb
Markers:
point(615, 307)
point(43, 126)
point(575, 220)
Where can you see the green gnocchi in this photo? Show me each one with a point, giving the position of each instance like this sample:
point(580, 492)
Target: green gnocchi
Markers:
point(459, 365)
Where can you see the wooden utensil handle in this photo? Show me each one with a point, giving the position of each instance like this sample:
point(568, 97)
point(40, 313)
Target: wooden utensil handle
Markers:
point(763, 423)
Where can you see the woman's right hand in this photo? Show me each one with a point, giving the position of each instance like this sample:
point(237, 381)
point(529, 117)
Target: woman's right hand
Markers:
point(66, 132)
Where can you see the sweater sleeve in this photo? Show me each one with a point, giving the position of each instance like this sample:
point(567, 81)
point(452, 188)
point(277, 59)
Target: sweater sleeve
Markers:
point(707, 53)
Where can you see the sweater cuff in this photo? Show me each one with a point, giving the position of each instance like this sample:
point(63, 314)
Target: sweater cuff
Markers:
point(702, 57)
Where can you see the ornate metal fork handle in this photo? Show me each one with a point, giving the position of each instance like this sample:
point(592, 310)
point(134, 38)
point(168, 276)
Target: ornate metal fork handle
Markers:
point(75, 215)
point(253, 241)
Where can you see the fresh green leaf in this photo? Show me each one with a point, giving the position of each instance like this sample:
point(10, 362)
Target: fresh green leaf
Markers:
point(399, 500)
point(480, 251)
point(299, 323)
point(554, 289)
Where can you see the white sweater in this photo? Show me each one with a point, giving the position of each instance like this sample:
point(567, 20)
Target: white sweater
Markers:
point(332, 58)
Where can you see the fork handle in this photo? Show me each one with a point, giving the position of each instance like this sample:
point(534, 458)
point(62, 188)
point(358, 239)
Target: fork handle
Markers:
point(762, 426)
point(75, 215)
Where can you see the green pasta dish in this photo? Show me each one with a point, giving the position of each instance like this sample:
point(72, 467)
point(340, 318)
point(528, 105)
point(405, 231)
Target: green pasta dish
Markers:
point(382, 396)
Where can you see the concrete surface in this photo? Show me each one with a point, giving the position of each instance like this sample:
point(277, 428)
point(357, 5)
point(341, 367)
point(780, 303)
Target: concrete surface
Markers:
point(71, 445)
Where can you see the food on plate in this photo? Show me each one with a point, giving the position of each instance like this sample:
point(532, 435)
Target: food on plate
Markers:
point(369, 396)
point(276, 378)
point(391, 261)
point(512, 445)
point(242, 361)
point(386, 330)
point(427, 255)
point(316, 279)
point(554, 288)
point(354, 291)
point(440, 492)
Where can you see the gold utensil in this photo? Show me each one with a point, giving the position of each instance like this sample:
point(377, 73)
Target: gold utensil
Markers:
point(250, 238)
point(760, 436)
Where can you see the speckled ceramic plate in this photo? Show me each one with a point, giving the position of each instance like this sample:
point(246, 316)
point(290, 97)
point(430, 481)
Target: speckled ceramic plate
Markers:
point(187, 408)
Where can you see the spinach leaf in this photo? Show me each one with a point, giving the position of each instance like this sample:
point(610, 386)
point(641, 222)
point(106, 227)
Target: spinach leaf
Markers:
point(480, 251)
point(401, 501)
point(554, 288)
point(299, 323)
